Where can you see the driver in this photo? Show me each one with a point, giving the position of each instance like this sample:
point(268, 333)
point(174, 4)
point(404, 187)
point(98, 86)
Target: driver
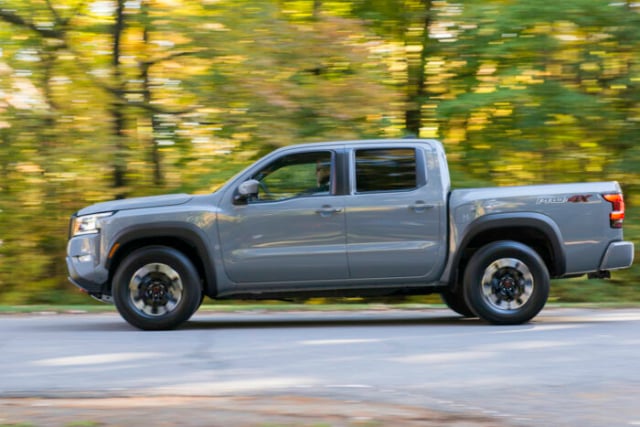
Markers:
point(323, 177)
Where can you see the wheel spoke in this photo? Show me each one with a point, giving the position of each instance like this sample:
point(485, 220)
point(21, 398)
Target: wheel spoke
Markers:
point(507, 284)
point(155, 289)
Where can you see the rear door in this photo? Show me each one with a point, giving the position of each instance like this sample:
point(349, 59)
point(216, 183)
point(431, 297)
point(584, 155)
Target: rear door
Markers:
point(394, 215)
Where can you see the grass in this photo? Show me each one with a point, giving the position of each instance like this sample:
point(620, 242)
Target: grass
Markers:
point(231, 308)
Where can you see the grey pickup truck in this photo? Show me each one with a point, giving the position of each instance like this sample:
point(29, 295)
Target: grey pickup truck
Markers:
point(359, 218)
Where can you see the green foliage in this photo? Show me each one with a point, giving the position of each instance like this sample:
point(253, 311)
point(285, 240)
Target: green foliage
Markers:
point(178, 96)
point(547, 88)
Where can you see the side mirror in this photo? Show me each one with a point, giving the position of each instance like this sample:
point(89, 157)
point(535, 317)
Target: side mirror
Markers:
point(247, 190)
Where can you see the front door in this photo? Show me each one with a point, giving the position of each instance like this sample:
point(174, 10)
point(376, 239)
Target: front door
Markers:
point(293, 230)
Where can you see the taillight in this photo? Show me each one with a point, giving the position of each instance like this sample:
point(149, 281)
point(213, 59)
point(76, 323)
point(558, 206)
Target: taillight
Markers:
point(616, 216)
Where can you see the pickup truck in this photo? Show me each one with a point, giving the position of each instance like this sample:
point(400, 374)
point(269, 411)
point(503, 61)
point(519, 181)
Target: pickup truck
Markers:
point(357, 218)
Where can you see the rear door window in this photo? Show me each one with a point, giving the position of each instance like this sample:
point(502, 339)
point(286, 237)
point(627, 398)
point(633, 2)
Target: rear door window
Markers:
point(385, 169)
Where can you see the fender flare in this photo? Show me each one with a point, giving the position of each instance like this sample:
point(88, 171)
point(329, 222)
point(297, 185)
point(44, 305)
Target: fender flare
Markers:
point(531, 220)
point(185, 232)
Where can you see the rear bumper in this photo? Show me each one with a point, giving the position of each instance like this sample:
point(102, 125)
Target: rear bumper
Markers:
point(618, 255)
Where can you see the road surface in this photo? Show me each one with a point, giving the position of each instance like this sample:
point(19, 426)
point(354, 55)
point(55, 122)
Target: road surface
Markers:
point(570, 367)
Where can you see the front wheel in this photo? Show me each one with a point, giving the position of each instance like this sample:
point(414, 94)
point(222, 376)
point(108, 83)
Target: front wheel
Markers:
point(506, 283)
point(156, 288)
point(455, 301)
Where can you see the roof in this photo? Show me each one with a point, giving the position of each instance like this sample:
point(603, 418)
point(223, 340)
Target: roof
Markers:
point(432, 143)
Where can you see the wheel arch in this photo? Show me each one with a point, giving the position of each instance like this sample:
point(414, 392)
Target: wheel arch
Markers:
point(186, 238)
point(532, 229)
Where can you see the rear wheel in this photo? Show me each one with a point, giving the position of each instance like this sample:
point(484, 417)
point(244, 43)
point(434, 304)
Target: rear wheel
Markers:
point(156, 288)
point(506, 283)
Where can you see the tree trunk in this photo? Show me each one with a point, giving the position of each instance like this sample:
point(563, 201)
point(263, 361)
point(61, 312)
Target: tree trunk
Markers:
point(156, 156)
point(317, 6)
point(417, 44)
point(117, 113)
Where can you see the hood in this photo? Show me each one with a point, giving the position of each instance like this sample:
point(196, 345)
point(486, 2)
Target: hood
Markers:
point(136, 203)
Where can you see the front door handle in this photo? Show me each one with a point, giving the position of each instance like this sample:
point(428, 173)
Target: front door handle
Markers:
point(328, 210)
point(421, 206)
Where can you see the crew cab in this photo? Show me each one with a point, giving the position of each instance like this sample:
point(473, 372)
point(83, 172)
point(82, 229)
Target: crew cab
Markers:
point(354, 218)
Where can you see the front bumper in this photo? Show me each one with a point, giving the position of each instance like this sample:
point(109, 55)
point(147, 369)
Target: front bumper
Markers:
point(618, 255)
point(83, 264)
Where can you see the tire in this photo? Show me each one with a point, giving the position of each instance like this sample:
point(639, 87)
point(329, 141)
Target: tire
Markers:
point(156, 288)
point(456, 302)
point(197, 305)
point(506, 283)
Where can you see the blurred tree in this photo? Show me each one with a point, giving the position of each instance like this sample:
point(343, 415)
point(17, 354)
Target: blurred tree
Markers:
point(102, 99)
point(33, 39)
point(408, 24)
point(542, 93)
point(311, 74)
point(117, 106)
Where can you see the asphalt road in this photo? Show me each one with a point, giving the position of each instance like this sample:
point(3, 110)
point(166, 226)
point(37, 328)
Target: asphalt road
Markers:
point(570, 367)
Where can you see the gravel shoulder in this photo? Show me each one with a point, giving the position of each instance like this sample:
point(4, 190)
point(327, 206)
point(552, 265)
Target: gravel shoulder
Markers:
point(254, 411)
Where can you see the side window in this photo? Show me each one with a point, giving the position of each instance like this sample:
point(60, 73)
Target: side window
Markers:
point(296, 175)
point(387, 169)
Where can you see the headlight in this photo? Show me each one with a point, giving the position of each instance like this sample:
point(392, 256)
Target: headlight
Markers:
point(87, 224)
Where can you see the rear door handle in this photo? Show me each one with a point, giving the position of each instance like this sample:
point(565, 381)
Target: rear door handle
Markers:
point(328, 210)
point(421, 206)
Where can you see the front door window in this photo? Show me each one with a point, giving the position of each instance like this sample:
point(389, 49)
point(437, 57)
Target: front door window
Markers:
point(296, 175)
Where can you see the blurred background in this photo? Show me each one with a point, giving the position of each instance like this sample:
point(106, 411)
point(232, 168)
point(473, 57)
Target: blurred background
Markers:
point(103, 99)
